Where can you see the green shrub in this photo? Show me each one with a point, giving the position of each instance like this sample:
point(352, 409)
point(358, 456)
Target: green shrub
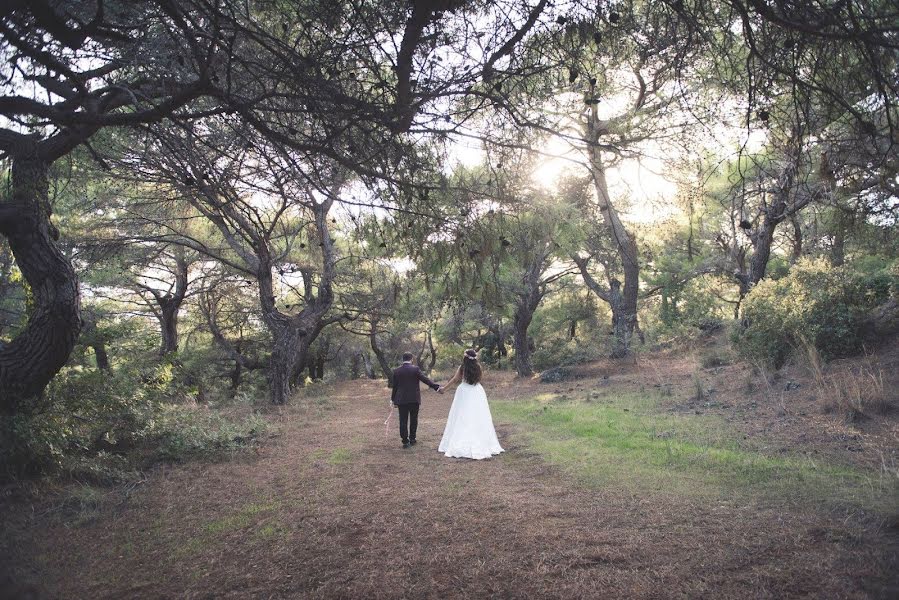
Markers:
point(683, 314)
point(82, 410)
point(178, 432)
point(816, 303)
point(99, 426)
point(561, 352)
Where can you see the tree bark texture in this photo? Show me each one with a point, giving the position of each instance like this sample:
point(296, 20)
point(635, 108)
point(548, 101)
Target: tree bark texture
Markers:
point(31, 359)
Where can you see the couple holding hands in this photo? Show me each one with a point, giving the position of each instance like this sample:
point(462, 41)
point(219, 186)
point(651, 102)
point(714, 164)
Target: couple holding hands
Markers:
point(469, 431)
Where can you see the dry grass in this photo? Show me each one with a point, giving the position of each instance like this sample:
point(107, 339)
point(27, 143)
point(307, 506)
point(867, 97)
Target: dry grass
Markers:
point(853, 392)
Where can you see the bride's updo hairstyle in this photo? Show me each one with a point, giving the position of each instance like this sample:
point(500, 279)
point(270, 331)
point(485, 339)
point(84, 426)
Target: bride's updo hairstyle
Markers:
point(471, 368)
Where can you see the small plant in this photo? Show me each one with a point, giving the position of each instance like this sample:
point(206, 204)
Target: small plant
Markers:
point(698, 387)
point(714, 359)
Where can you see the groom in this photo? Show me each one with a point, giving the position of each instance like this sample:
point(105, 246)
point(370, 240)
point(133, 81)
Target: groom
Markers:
point(407, 397)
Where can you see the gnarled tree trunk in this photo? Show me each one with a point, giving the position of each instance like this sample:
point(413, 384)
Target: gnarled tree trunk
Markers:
point(288, 357)
point(526, 303)
point(170, 305)
point(386, 369)
point(31, 359)
point(293, 335)
point(785, 202)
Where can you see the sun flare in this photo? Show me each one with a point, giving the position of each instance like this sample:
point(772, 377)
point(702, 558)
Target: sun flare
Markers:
point(638, 182)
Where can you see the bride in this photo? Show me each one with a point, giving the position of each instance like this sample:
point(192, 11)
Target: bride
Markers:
point(469, 429)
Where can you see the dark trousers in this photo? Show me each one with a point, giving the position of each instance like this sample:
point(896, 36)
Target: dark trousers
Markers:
point(408, 421)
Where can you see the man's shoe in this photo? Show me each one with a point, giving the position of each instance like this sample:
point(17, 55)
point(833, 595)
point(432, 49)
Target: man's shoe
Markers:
point(406, 445)
point(412, 442)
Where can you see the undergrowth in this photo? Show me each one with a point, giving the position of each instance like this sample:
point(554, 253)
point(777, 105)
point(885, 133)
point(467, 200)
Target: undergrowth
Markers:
point(103, 427)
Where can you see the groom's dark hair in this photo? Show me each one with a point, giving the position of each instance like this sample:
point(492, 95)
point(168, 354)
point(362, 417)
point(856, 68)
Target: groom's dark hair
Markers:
point(407, 356)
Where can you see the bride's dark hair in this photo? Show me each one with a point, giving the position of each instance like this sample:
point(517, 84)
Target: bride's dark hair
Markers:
point(471, 368)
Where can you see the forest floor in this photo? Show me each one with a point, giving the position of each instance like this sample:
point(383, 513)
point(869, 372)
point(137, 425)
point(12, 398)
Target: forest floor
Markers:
point(619, 484)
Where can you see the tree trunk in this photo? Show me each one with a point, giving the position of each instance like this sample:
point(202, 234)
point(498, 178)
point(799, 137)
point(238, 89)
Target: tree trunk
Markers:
point(100, 355)
point(433, 359)
point(622, 322)
point(93, 339)
point(379, 354)
point(690, 211)
point(421, 353)
point(31, 359)
point(838, 250)
point(624, 307)
point(796, 253)
point(500, 339)
point(761, 251)
point(168, 322)
point(169, 305)
point(236, 375)
point(841, 223)
point(521, 322)
point(320, 366)
point(774, 213)
point(369, 368)
point(354, 365)
point(293, 335)
point(289, 356)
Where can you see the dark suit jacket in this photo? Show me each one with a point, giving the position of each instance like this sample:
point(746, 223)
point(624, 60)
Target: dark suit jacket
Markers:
point(405, 384)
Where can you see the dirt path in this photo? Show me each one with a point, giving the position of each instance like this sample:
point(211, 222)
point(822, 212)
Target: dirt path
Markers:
point(334, 509)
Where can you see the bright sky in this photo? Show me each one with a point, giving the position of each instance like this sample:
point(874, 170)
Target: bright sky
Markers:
point(641, 182)
point(649, 192)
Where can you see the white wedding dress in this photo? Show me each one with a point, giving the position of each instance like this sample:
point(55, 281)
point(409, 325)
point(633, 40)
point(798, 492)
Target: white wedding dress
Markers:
point(469, 431)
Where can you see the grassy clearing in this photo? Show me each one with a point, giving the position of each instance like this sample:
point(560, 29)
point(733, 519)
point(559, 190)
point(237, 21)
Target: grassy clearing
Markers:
point(624, 440)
